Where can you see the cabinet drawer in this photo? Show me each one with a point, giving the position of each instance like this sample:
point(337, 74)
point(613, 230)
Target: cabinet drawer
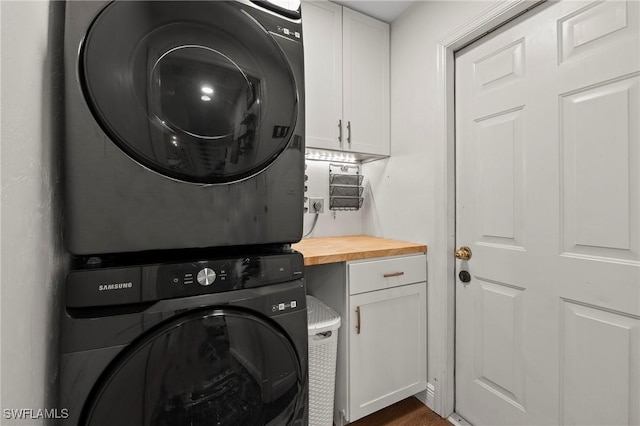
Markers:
point(386, 273)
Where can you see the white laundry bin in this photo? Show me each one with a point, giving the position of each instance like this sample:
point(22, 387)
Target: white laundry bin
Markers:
point(324, 323)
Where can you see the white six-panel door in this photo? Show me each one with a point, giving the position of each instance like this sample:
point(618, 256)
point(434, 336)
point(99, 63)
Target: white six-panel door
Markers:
point(548, 200)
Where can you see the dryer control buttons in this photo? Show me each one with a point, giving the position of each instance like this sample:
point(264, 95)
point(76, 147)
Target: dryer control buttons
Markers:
point(289, 33)
point(206, 276)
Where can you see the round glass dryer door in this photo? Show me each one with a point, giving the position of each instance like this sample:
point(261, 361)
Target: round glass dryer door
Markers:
point(215, 367)
point(197, 91)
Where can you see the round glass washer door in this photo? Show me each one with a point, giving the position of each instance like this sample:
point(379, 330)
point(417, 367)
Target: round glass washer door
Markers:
point(197, 91)
point(209, 367)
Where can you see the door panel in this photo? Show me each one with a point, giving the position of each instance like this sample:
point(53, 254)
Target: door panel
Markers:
point(365, 59)
point(390, 326)
point(596, 220)
point(323, 73)
point(587, 28)
point(499, 368)
point(548, 200)
point(585, 330)
point(500, 180)
point(500, 67)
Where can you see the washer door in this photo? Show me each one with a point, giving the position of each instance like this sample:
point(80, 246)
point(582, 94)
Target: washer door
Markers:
point(213, 367)
point(197, 91)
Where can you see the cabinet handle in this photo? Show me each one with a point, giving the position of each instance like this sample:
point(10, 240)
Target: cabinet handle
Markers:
point(394, 274)
point(349, 132)
point(340, 130)
point(358, 323)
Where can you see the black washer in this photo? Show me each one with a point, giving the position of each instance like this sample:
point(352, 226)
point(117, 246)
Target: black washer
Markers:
point(172, 353)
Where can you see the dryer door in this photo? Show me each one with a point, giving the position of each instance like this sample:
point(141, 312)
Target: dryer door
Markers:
point(197, 91)
point(212, 367)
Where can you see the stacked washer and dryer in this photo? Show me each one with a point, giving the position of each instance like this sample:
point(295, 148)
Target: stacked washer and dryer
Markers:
point(184, 185)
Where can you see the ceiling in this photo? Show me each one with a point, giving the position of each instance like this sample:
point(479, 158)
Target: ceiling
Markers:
point(384, 10)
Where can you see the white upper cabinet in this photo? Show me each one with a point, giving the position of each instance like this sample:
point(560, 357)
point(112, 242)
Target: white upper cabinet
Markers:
point(365, 84)
point(322, 30)
point(346, 79)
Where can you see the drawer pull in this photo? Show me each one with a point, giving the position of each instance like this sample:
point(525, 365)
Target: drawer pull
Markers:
point(394, 274)
point(358, 323)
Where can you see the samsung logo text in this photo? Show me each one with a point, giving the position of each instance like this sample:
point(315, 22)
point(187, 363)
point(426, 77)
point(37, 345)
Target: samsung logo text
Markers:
point(117, 286)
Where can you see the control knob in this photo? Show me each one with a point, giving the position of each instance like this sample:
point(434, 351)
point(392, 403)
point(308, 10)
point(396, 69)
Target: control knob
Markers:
point(206, 276)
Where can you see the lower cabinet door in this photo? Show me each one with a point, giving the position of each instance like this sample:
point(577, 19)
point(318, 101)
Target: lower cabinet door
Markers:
point(387, 347)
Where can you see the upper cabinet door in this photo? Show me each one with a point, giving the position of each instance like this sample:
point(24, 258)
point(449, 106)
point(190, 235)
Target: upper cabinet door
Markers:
point(322, 27)
point(366, 83)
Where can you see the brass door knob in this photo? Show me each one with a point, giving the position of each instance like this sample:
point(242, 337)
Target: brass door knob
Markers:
point(463, 253)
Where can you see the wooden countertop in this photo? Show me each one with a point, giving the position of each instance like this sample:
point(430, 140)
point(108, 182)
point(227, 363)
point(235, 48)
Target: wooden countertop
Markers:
point(317, 251)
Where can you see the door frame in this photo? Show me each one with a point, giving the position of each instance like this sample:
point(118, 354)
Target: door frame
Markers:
point(442, 297)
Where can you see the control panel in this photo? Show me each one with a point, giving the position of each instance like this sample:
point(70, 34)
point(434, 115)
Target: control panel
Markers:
point(284, 306)
point(136, 284)
point(188, 274)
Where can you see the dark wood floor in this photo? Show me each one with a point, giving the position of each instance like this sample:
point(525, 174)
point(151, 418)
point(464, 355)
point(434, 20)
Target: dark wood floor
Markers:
point(408, 412)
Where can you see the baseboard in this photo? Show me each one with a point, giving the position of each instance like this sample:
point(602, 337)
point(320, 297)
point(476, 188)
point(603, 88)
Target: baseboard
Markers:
point(457, 420)
point(427, 397)
point(422, 397)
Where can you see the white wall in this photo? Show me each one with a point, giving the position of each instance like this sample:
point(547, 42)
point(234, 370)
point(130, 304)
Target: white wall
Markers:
point(330, 223)
point(404, 186)
point(31, 262)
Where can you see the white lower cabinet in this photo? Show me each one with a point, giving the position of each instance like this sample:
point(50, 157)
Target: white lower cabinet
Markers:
point(382, 343)
point(387, 348)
